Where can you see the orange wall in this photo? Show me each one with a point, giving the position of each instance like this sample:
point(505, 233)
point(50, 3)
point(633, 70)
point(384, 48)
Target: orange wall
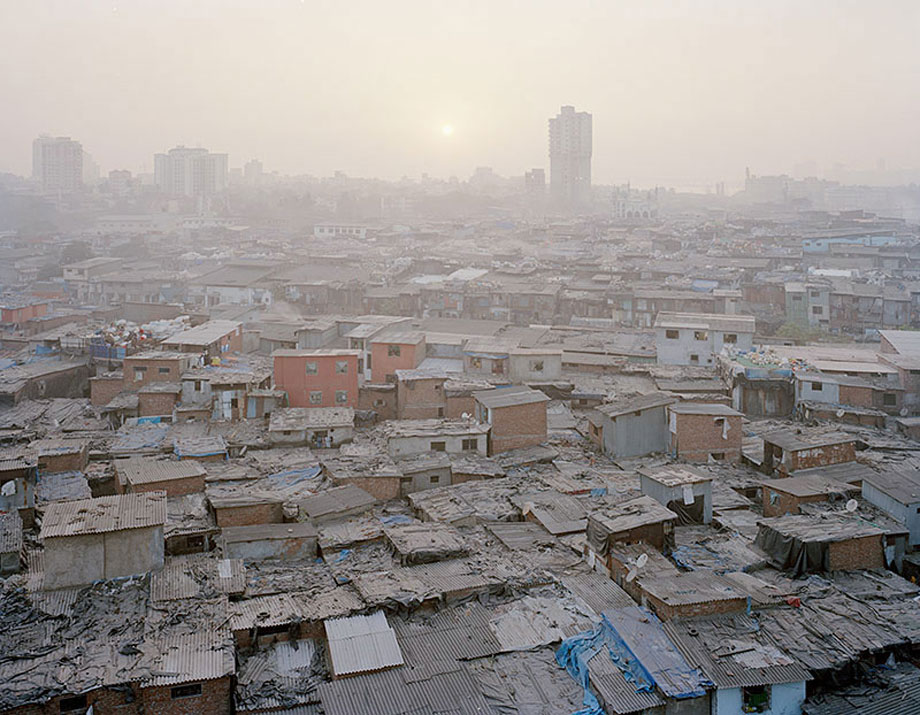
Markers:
point(291, 376)
point(383, 364)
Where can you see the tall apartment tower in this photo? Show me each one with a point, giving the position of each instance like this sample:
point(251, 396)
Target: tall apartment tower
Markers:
point(570, 156)
point(185, 171)
point(57, 164)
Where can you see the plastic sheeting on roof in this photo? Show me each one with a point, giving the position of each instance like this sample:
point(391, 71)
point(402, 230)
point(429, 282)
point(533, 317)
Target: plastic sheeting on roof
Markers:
point(639, 647)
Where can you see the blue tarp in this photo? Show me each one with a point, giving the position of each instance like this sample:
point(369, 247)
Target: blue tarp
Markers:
point(637, 644)
point(291, 477)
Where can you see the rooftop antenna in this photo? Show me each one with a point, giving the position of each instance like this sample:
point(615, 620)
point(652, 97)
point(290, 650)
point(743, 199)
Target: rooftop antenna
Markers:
point(852, 505)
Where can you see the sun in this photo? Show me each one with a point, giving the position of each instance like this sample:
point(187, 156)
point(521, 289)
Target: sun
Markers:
point(447, 130)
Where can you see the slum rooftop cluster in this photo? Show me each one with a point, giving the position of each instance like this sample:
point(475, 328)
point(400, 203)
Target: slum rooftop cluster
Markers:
point(578, 473)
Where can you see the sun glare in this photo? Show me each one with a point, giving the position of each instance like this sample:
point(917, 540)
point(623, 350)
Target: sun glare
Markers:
point(447, 130)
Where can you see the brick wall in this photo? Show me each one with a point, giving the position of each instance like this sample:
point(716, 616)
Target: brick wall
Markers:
point(381, 400)
point(215, 699)
point(862, 553)
point(139, 371)
point(787, 503)
point(172, 487)
point(155, 404)
point(103, 389)
point(248, 515)
point(698, 436)
point(381, 488)
point(667, 611)
point(517, 426)
point(457, 406)
point(421, 399)
point(50, 463)
point(821, 456)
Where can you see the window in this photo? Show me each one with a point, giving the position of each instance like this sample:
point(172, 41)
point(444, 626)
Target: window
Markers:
point(914, 372)
point(139, 373)
point(197, 385)
point(817, 310)
point(471, 444)
point(287, 433)
point(815, 294)
point(796, 299)
point(394, 350)
point(185, 691)
point(730, 338)
point(717, 456)
point(755, 699)
point(341, 397)
point(817, 386)
point(434, 479)
point(440, 412)
point(439, 446)
point(889, 399)
point(700, 335)
point(536, 366)
point(774, 498)
point(475, 363)
point(163, 370)
point(234, 403)
point(311, 368)
point(341, 367)
point(672, 334)
point(694, 358)
point(380, 403)
point(316, 397)
point(75, 703)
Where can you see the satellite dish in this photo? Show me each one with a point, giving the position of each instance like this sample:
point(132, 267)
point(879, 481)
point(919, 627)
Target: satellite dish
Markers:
point(904, 412)
point(852, 505)
point(465, 415)
point(841, 412)
point(642, 560)
point(631, 576)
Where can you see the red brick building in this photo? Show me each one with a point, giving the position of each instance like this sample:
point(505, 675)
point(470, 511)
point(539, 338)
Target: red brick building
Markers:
point(517, 416)
point(395, 351)
point(155, 366)
point(317, 378)
point(420, 394)
point(20, 313)
point(787, 450)
point(783, 496)
point(699, 431)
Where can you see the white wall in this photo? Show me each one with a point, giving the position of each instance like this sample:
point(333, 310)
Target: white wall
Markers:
point(785, 699)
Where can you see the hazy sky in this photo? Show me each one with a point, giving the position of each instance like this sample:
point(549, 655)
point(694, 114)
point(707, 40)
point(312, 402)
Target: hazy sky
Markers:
point(681, 92)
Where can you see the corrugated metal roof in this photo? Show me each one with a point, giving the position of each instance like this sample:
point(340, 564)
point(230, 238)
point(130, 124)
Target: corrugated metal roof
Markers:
point(597, 591)
point(734, 652)
point(138, 470)
point(359, 644)
point(618, 694)
point(204, 655)
point(389, 693)
point(104, 514)
point(10, 532)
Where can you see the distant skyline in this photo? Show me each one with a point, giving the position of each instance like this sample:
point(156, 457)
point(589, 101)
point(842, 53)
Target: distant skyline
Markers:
point(683, 93)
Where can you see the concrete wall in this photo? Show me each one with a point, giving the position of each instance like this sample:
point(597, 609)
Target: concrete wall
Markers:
point(678, 351)
point(259, 549)
point(521, 368)
point(290, 375)
point(785, 699)
point(906, 514)
point(82, 559)
point(664, 494)
point(384, 365)
point(817, 391)
point(405, 446)
point(635, 435)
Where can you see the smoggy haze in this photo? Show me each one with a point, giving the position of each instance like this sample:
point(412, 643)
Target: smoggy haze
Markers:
point(680, 92)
